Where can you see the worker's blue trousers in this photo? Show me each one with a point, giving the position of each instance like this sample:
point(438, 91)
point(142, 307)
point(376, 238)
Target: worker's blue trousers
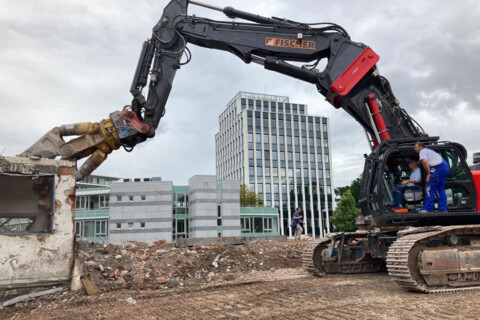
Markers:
point(436, 187)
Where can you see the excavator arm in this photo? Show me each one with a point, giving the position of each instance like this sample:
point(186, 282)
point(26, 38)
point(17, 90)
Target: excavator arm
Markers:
point(350, 79)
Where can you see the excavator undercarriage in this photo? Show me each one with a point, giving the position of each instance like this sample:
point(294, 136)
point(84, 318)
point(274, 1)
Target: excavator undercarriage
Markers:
point(429, 259)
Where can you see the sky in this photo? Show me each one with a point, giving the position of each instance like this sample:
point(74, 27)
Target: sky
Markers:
point(73, 61)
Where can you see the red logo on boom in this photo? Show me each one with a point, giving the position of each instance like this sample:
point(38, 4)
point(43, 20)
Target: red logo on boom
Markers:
point(290, 43)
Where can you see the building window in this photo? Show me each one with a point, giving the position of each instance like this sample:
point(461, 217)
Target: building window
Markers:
point(250, 154)
point(143, 197)
point(104, 201)
point(130, 225)
point(80, 203)
point(101, 228)
point(130, 198)
point(290, 172)
point(93, 202)
point(259, 188)
point(119, 226)
point(142, 225)
point(267, 171)
point(250, 137)
point(245, 224)
point(119, 198)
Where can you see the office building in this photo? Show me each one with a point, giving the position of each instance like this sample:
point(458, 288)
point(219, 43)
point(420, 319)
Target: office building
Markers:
point(148, 209)
point(92, 207)
point(280, 152)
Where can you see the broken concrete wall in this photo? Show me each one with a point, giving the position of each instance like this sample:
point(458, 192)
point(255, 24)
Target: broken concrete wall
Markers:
point(37, 202)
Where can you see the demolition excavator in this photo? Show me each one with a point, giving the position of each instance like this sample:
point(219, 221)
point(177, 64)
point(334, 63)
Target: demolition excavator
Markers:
point(432, 252)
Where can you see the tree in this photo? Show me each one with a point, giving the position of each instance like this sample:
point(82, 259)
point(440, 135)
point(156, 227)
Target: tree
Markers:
point(249, 198)
point(354, 188)
point(343, 217)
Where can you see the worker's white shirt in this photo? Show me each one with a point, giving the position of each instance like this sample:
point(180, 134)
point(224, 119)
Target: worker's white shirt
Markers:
point(433, 158)
point(416, 175)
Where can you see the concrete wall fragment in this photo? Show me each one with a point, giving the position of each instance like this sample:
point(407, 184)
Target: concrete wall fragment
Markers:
point(39, 249)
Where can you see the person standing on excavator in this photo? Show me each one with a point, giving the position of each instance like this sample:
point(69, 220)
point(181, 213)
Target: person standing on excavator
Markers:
point(437, 171)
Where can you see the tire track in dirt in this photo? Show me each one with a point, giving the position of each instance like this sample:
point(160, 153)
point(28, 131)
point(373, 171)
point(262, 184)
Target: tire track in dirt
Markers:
point(307, 297)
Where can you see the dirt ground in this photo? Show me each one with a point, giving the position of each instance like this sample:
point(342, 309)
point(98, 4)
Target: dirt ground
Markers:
point(265, 285)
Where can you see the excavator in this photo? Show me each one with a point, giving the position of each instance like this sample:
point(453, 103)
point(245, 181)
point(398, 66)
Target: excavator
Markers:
point(428, 252)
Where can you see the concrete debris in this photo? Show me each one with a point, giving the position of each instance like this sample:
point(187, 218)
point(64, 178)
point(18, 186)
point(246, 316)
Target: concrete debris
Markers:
point(90, 288)
point(138, 265)
point(76, 283)
point(229, 277)
point(161, 280)
point(26, 297)
point(130, 300)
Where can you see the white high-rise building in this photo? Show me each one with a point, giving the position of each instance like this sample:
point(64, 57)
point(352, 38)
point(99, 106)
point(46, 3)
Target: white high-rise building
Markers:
point(281, 153)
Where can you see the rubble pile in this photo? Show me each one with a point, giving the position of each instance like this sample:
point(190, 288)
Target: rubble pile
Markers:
point(140, 265)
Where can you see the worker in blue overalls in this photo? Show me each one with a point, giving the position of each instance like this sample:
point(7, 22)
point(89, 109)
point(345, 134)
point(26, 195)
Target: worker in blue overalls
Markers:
point(437, 172)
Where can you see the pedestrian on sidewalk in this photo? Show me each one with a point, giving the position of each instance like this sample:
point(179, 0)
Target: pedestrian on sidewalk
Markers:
point(297, 223)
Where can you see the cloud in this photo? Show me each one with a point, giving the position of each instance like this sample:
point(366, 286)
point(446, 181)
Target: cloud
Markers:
point(73, 61)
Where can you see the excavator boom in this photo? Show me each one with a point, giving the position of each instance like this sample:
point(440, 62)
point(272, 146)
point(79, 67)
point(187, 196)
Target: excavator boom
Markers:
point(349, 81)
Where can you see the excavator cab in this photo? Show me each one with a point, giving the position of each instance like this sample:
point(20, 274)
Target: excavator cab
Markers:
point(387, 166)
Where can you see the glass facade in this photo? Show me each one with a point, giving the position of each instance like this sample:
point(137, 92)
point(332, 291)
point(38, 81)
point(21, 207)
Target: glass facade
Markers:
point(180, 221)
point(280, 152)
point(92, 207)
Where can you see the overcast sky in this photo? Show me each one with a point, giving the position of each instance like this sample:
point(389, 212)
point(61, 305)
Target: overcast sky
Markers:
point(73, 61)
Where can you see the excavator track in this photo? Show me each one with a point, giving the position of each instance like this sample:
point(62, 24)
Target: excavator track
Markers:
point(405, 265)
point(316, 264)
point(313, 251)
